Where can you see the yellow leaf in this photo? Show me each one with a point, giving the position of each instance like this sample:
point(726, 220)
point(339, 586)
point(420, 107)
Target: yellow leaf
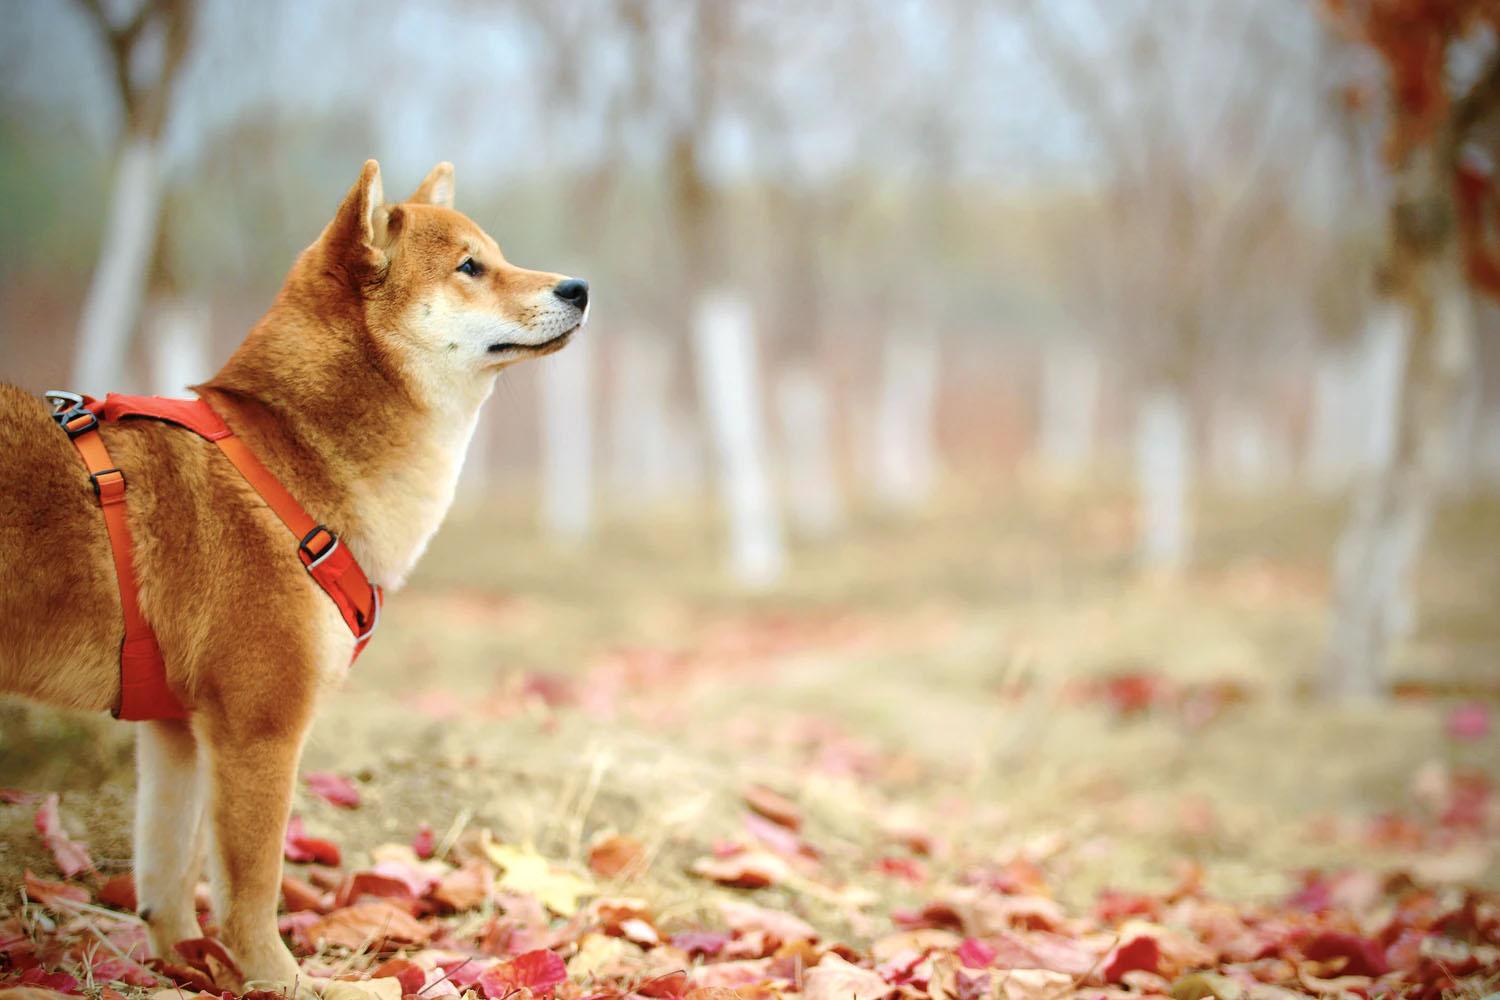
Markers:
point(524, 870)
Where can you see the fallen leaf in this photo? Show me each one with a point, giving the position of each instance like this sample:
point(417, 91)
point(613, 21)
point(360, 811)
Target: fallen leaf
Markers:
point(363, 989)
point(1137, 954)
point(408, 973)
point(773, 806)
point(835, 979)
point(465, 888)
point(1033, 984)
point(749, 869)
point(374, 924)
point(424, 843)
point(975, 954)
point(704, 943)
point(523, 870)
point(49, 893)
point(299, 895)
point(616, 856)
point(300, 847)
point(1207, 986)
point(538, 971)
point(119, 892)
point(334, 788)
point(598, 955)
point(1469, 722)
point(71, 856)
point(1355, 955)
point(744, 918)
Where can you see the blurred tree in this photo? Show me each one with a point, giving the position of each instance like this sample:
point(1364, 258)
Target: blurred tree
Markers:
point(1197, 170)
point(145, 50)
point(1441, 131)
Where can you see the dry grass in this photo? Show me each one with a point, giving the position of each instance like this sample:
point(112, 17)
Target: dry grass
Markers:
point(912, 673)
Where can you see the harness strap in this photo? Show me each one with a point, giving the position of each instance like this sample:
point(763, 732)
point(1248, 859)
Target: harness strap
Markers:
point(144, 693)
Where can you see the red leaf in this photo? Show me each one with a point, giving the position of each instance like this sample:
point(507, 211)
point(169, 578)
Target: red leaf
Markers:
point(705, 943)
point(1470, 722)
point(908, 869)
point(59, 981)
point(298, 846)
point(334, 788)
point(615, 855)
point(1362, 957)
point(1140, 954)
point(209, 957)
point(71, 856)
point(112, 969)
point(774, 806)
point(375, 924)
point(975, 954)
point(40, 890)
point(408, 973)
point(424, 844)
point(301, 896)
point(119, 892)
point(539, 971)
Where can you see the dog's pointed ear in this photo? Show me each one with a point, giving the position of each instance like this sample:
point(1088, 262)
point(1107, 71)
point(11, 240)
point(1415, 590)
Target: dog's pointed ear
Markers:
point(437, 189)
point(362, 217)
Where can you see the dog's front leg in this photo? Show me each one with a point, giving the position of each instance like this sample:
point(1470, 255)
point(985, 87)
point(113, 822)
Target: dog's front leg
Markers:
point(168, 832)
point(252, 766)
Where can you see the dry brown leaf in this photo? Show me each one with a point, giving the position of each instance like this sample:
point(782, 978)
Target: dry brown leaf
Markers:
point(1032, 984)
point(774, 806)
point(465, 888)
point(616, 856)
point(747, 918)
point(363, 989)
point(835, 979)
point(373, 924)
point(751, 869)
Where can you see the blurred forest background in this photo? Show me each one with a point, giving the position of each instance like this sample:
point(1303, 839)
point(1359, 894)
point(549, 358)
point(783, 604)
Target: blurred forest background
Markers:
point(1127, 338)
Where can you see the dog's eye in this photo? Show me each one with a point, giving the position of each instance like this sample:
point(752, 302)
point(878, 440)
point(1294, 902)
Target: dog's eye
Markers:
point(471, 267)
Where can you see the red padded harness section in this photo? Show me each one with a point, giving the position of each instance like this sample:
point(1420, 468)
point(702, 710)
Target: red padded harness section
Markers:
point(144, 692)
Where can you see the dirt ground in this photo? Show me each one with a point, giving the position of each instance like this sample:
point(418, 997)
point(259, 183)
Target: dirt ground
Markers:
point(988, 682)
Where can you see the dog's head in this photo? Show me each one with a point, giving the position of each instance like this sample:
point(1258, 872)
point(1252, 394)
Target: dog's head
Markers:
point(433, 289)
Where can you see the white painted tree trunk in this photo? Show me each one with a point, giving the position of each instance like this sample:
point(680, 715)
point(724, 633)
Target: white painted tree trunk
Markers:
point(112, 304)
point(654, 453)
point(1354, 405)
point(1377, 553)
point(1069, 410)
point(1487, 448)
point(1247, 455)
point(1163, 463)
point(729, 384)
point(905, 459)
point(565, 384)
point(809, 469)
point(178, 338)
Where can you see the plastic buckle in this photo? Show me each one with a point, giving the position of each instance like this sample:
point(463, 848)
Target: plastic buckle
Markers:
point(106, 489)
point(69, 412)
point(310, 557)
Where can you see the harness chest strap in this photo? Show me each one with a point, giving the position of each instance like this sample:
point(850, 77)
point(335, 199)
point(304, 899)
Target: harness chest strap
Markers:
point(144, 692)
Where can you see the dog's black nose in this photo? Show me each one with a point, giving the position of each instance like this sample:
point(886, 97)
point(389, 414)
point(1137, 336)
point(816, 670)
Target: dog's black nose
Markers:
point(574, 291)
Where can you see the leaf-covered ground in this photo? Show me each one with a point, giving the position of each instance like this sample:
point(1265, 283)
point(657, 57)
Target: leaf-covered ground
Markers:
point(968, 758)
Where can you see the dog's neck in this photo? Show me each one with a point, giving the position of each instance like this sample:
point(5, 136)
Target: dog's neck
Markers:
point(365, 451)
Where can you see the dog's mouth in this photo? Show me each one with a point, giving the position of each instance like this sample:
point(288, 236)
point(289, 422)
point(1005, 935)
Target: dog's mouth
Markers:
point(545, 347)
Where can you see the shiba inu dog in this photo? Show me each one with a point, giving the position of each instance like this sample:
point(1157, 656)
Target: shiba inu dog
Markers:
point(359, 390)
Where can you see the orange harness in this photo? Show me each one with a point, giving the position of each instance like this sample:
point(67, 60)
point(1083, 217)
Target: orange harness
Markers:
point(144, 692)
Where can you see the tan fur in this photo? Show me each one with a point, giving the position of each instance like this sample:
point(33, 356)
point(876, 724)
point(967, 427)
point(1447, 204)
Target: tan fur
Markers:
point(359, 389)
